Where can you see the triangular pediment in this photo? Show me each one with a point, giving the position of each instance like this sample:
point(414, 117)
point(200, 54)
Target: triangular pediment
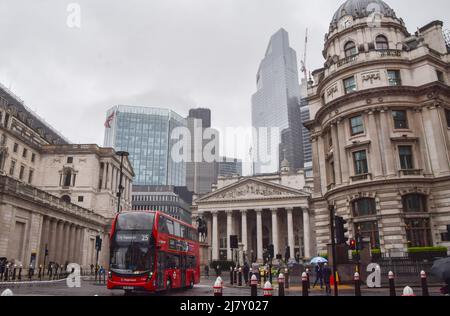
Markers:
point(252, 189)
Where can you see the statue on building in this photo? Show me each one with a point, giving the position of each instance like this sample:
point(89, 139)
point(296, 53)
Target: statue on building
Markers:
point(202, 229)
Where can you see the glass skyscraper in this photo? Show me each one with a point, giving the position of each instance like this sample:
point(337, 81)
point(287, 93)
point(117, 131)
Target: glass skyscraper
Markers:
point(276, 104)
point(145, 133)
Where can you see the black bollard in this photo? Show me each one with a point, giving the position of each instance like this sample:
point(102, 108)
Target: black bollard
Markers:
point(391, 284)
point(14, 273)
point(254, 285)
point(30, 273)
point(235, 280)
point(305, 289)
point(423, 277)
point(357, 284)
point(231, 276)
point(240, 277)
point(281, 280)
point(286, 276)
point(20, 273)
point(265, 276)
point(40, 273)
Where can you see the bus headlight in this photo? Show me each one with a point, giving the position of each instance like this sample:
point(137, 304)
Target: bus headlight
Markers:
point(150, 274)
point(110, 275)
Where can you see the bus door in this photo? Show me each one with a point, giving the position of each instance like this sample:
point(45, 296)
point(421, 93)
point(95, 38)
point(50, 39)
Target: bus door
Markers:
point(183, 269)
point(161, 267)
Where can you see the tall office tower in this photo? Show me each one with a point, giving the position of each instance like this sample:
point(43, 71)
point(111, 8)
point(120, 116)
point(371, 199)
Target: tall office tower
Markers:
point(227, 167)
point(275, 105)
point(201, 114)
point(200, 170)
point(145, 133)
point(306, 134)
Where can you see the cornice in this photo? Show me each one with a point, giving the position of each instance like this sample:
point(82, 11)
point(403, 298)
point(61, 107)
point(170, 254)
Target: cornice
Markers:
point(377, 61)
point(371, 185)
point(432, 90)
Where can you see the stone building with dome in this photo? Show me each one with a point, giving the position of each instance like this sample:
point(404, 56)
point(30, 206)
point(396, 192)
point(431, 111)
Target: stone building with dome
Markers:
point(380, 128)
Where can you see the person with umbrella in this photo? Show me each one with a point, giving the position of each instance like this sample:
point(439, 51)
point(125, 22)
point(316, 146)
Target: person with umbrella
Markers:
point(318, 261)
point(441, 269)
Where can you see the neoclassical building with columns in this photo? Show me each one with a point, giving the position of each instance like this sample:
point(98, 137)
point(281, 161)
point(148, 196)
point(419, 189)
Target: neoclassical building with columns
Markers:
point(54, 195)
point(260, 210)
point(380, 129)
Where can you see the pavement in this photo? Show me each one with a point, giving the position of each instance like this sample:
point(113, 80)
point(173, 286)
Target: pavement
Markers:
point(88, 287)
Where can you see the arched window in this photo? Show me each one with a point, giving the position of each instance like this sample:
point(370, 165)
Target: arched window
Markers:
point(364, 207)
point(350, 49)
point(381, 43)
point(414, 203)
point(66, 198)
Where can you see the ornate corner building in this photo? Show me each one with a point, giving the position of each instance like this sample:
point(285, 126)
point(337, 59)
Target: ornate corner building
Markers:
point(53, 195)
point(380, 129)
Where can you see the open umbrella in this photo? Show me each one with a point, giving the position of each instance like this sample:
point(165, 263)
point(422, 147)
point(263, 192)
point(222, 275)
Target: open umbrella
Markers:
point(441, 269)
point(317, 260)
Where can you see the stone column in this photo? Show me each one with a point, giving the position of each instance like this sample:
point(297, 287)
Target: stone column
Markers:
point(215, 236)
point(386, 143)
point(336, 156)
point(104, 176)
point(229, 233)
point(343, 157)
point(259, 236)
point(76, 250)
point(52, 240)
point(375, 155)
point(72, 244)
point(306, 233)
point(244, 229)
point(66, 249)
point(275, 232)
point(44, 239)
point(290, 225)
point(59, 242)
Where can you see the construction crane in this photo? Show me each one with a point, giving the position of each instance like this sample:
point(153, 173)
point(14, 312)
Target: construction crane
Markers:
point(303, 62)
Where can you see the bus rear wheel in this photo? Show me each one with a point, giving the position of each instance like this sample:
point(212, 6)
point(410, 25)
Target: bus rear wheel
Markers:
point(191, 282)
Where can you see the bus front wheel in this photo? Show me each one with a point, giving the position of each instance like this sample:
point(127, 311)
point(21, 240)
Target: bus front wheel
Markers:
point(168, 285)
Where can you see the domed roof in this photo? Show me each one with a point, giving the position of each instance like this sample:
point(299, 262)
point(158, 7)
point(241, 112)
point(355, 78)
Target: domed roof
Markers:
point(361, 9)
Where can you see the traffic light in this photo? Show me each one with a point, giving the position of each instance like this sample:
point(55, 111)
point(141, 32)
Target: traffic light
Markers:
point(359, 242)
point(352, 244)
point(339, 223)
point(271, 251)
point(98, 243)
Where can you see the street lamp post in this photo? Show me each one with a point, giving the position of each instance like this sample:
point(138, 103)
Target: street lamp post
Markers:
point(122, 154)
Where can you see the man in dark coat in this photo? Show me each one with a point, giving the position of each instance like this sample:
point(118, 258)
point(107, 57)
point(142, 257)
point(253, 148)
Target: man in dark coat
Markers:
point(326, 272)
point(319, 276)
point(246, 271)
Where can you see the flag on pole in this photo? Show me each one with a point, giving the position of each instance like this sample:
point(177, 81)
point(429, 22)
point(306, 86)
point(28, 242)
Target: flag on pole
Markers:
point(109, 119)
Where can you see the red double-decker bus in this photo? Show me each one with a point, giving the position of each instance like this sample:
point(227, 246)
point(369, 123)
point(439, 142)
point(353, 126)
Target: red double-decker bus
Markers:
point(151, 251)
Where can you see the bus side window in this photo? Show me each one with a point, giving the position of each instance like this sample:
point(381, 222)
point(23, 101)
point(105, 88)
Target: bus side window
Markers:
point(177, 229)
point(184, 232)
point(162, 225)
point(170, 228)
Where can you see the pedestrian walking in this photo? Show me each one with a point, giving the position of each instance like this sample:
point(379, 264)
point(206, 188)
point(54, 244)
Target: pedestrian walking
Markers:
point(246, 271)
point(319, 276)
point(207, 271)
point(326, 273)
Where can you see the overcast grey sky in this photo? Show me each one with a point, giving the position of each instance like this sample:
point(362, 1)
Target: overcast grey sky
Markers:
point(167, 53)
